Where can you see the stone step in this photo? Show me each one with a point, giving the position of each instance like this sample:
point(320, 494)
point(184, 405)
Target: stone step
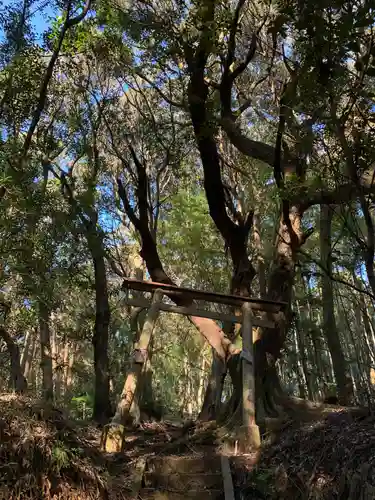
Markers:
point(184, 464)
point(152, 494)
point(183, 482)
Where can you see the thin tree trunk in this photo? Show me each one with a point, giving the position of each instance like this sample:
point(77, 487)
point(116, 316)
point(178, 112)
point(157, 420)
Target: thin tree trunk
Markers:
point(26, 350)
point(302, 352)
point(139, 363)
point(57, 365)
point(16, 375)
point(69, 357)
point(343, 380)
point(202, 376)
point(261, 268)
point(29, 371)
point(46, 352)
point(369, 340)
point(369, 347)
point(298, 368)
point(318, 346)
point(370, 242)
point(102, 406)
point(30, 358)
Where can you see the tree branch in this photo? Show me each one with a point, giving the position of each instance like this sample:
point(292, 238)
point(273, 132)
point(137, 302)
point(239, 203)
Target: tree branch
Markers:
point(254, 149)
point(69, 23)
point(128, 208)
point(160, 92)
point(344, 193)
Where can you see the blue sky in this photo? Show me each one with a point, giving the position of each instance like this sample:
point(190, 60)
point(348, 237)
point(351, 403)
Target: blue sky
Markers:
point(41, 20)
point(42, 14)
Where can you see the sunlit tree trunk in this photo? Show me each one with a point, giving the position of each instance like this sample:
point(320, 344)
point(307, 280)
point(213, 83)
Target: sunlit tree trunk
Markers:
point(68, 360)
point(26, 350)
point(202, 379)
point(29, 371)
point(29, 358)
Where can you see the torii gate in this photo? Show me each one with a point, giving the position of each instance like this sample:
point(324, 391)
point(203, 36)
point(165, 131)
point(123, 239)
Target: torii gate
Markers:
point(247, 319)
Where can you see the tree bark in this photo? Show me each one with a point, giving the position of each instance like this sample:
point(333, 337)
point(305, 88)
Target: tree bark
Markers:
point(102, 406)
point(26, 350)
point(69, 354)
point(200, 388)
point(369, 344)
point(370, 242)
point(18, 380)
point(270, 341)
point(57, 365)
point(235, 230)
point(29, 371)
point(343, 380)
point(46, 352)
point(212, 398)
point(261, 268)
point(235, 235)
point(139, 363)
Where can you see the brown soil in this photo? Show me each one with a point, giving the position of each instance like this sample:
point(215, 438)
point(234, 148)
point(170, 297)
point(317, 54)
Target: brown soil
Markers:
point(43, 455)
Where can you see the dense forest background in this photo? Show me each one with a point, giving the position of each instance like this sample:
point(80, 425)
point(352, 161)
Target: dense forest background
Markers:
point(224, 146)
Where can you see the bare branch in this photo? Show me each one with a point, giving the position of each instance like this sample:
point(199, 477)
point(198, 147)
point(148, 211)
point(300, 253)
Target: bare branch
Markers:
point(332, 277)
point(160, 92)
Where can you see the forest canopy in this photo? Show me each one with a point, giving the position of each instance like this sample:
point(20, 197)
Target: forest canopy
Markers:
point(223, 146)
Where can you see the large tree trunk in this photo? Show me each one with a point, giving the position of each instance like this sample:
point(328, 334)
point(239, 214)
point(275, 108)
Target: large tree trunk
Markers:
point(343, 380)
point(235, 234)
point(18, 380)
point(46, 352)
point(102, 406)
point(270, 341)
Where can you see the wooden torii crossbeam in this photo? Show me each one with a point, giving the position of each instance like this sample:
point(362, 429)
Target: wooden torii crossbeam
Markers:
point(257, 305)
point(219, 298)
point(247, 319)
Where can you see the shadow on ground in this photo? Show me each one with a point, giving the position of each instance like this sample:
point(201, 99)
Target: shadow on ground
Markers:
point(330, 458)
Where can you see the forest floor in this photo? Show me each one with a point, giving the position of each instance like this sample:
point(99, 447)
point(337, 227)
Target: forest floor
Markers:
point(44, 455)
